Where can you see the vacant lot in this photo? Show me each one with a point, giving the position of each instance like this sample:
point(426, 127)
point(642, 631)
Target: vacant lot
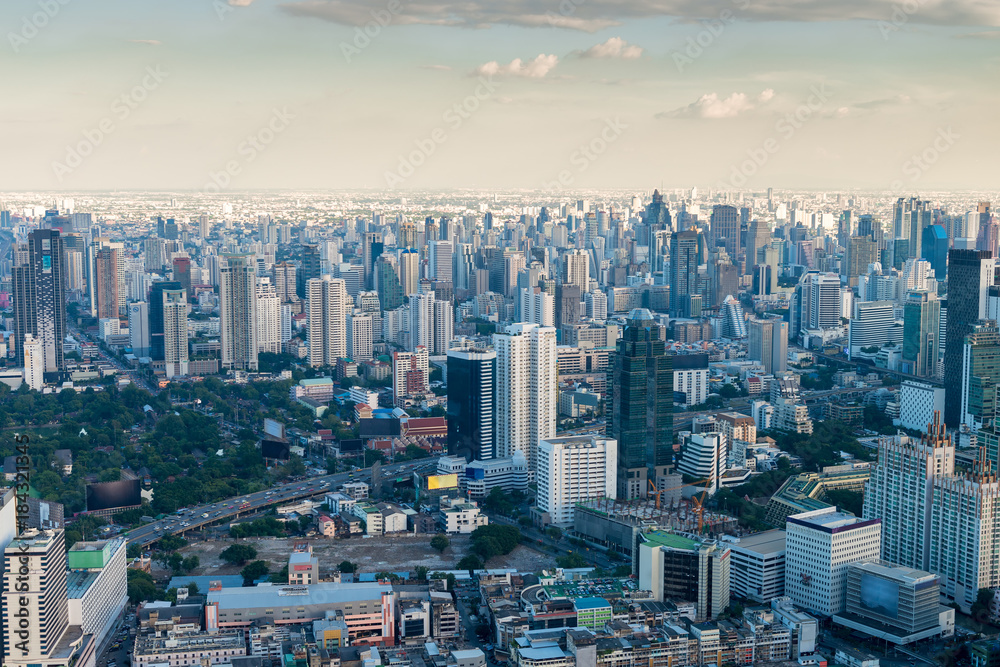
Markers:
point(394, 554)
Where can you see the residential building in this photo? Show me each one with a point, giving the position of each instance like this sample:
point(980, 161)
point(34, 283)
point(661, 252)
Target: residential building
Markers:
point(175, 332)
point(690, 378)
point(40, 298)
point(918, 401)
point(410, 374)
point(460, 516)
point(471, 403)
point(570, 470)
point(768, 343)
point(238, 313)
point(328, 304)
point(268, 317)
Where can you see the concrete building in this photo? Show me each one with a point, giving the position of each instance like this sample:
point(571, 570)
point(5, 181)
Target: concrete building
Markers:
point(34, 362)
point(175, 332)
point(691, 377)
point(268, 317)
point(757, 566)
point(215, 648)
point(238, 313)
point(681, 568)
point(138, 328)
point(410, 374)
point(918, 401)
point(96, 585)
point(460, 516)
point(571, 470)
point(703, 456)
point(328, 304)
point(819, 547)
point(768, 343)
point(479, 478)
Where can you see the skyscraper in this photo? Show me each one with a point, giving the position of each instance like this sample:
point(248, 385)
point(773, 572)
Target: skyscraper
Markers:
point(527, 399)
point(328, 306)
point(156, 346)
point(640, 404)
point(40, 298)
point(970, 274)
point(861, 252)
point(34, 363)
point(758, 236)
point(175, 332)
point(312, 267)
point(390, 291)
point(268, 317)
point(444, 326)
point(725, 227)
point(439, 263)
point(576, 269)
point(372, 247)
point(108, 275)
point(980, 374)
point(285, 281)
point(409, 271)
point(935, 250)
point(921, 326)
point(683, 271)
point(35, 591)
point(471, 403)
point(768, 343)
point(182, 274)
point(238, 313)
point(138, 328)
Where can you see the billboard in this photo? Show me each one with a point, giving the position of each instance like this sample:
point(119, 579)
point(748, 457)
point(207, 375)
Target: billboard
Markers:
point(879, 596)
point(355, 445)
point(441, 482)
point(275, 449)
point(274, 428)
point(113, 495)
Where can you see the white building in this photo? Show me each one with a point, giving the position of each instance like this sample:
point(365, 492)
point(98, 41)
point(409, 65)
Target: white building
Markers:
point(439, 260)
point(576, 269)
point(820, 301)
point(328, 305)
point(538, 307)
point(819, 545)
point(918, 401)
point(138, 328)
point(873, 325)
point(421, 322)
point(410, 374)
point(703, 455)
point(757, 566)
point(444, 327)
point(359, 337)
point(238, 312)
point(34, 362)
point(693, 382)
point(96, 585)
point(268, 317)
point(175, 332)
point(460, 516)
point(597, 305)
point(571, 470)
point(527, 399)
point(480, 477)
point(364, 396)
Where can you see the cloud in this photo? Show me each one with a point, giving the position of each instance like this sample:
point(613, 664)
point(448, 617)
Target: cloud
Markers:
point(616, 47)
point(440, 68)
point(150, 42)
point(710, 105)
point(537, 68)
point(594, 15)
point(240, 3)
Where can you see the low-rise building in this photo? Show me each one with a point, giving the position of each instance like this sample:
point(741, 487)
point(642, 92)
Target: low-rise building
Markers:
point(757, 566)
point(184, 650)
point(460, 516)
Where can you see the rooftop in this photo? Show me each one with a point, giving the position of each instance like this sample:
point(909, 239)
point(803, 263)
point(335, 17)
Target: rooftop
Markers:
point(768, 542)
point(660, 538)
point(327, 593)
point(591, 603)
point(829, 520)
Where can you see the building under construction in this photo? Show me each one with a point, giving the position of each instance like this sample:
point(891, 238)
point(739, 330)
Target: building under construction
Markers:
point(616, 524)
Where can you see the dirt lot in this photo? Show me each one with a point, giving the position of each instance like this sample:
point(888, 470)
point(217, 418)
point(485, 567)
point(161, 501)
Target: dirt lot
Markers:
point(394, 554)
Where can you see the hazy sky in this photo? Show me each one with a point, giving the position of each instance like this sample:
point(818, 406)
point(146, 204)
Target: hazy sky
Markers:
point(578, 93)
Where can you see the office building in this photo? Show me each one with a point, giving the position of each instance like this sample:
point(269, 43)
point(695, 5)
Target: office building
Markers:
point(410, 375)
point(819, 547)
point(156, 290)
point(359, 337)
point(97, 586)
point(387, 285)
point(921, 325)
point(690, 378)
point(268, 317)
point(873, 325)
point(527, 400)
point(918, 401)
point(238, 313)
point(970, 274)
point(471, 403)
point(409, 271)
point(175, 332)
point(40, 297)
point(703, 456)
point(682, 568)
point(569, 471)
point(421, 321)
point(768, 344)
point(640, 404)
point(684, 252)
point(725, 226)
point(576, 269)
point(328, 304)
point(444, 326)
point(861, 253)
point(980, 374)
point(757, 566)
point(108, 278)
point(372, 248)
point(138, 328)
point(479, 478)
point(284, 278)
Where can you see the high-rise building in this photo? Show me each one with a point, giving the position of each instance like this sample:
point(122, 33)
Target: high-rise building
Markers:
point(409, 271)
point(372, 247)
point(444, 326)
point(410, 375)
point(527, 400)
point(725, 225)
point(175, 332)
point(768, 343)
point(109, 268)
point(471, 403)
point(284, 274)
point(40, 298)
point(862, 251)
point(328, 306)
point(312, 267)
point(683, 271)
point(421, 324)
point(935, 250)
point(439, 264)
point(182, 274)
point(138, 328)
point(873, 325)
point(640, 404)
point(538, 307)
point(820, 301)
point(970, 274)
point(34, 363)
point(921, 326)
point(35, 591)
point(570, 471)
point(576, 269)
point(156, 316)
point(980, 374)
point(758, 236)
point(268, 317)
point(238, 313)
point(685, 567)
point(819, 547)
point(390, 291)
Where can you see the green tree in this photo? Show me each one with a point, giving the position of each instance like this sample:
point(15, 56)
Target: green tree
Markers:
point(171, 543)
point(571, 560)
point(238, 554)
point(421, 573)
point(347, 566)
point(852, 501)
point(554, 532)
point(254, 571)
point(470, 563)
point(141, 586)
point(440, 542)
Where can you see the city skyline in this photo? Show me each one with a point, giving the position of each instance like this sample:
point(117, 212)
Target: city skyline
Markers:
point(678, 93)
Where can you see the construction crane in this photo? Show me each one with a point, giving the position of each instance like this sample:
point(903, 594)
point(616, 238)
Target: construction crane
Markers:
point(698, 504)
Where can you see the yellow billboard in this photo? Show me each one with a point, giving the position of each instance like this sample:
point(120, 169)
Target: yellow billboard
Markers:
point(442, 482)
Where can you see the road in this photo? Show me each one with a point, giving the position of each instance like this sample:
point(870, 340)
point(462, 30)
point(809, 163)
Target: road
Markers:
point(121, 368)
point(201, 516)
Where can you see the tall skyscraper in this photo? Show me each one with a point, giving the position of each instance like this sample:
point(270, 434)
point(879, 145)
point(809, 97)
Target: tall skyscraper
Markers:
point(935, 250)
point(444, 326)
point(725, 225)
point(409, 271)
point(372, 247)
point(156, 347)
point(328, 307)
point(421, 325)
point(34, 363)
point(268, 317)
point(538, 307)
point(861, 252)
point(970, 274)
point(640, 404)
point(439, 264)
point(980, 374)
point(758, 236)
point(359, 336)
point(182, 274)
point(768, 343)
point(238, 313)
point(820, 300)
point(576, 269)
point(35, 591)
point(40, 298)
point(175, 332)
point(138, 328)
point(471, 403)
point(683, 271)
point(390, 291)
point(109, 296)
point(285, 281)
point(921, 326)
point(410, 375)
point(312, 267)
point(527, 399)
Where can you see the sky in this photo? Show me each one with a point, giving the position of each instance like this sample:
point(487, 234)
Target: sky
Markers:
point(217, 95)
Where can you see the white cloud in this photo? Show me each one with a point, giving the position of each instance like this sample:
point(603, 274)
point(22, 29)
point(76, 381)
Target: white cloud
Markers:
point(616, 47)
point(441, 68)
point(536, 68)
point(240, 3)
point(593, 15)
point(150, 42)
point(711, 105)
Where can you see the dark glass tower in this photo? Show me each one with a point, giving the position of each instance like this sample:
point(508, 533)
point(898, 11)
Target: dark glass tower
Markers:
point(470, 403)
point(970, 273)
point(156, 345)
point(40, 298)
point(641, 393)
point(935, 250)
point(311, 267)
point(390, 292)
point(726, 229)
point(683, 271)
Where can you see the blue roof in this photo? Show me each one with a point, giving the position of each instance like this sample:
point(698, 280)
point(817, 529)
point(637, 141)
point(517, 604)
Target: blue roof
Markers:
point(591, 603)
point(936, 230)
